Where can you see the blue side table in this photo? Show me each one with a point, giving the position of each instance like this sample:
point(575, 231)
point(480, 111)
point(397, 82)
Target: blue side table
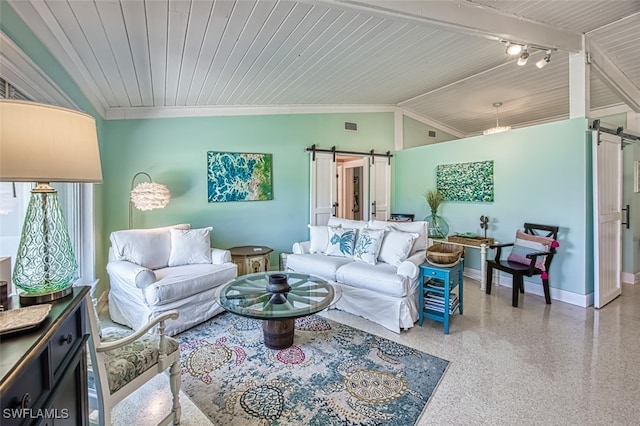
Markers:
point(437, 299)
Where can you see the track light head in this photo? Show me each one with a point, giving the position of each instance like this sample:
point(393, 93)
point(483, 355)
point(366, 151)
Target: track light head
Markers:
point(514, 49)
point(524, 57)
point(544, 61)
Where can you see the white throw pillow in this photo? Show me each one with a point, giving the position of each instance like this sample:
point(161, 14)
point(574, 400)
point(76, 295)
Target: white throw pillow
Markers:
point(190, 246)
point(396, 247)
point(417, 227)
point(145, 247)
point(319, 238)
point(368, 244)
point(341, 242)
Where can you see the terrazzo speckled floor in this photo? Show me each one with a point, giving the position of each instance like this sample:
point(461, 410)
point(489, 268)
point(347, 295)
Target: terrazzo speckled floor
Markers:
point(533, 365)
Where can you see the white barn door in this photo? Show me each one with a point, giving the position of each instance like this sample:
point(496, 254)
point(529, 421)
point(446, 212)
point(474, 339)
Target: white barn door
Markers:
point(323, 188)
point(607, 185)
point(380, 188)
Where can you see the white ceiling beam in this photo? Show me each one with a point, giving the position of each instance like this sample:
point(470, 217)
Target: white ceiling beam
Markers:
point(467, 18)
point(614, 78)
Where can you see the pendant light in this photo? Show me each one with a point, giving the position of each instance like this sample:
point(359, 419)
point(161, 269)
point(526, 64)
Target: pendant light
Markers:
point(498, 128)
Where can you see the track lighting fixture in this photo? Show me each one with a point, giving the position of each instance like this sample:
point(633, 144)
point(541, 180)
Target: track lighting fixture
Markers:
point(544, 61)
point(522, 52)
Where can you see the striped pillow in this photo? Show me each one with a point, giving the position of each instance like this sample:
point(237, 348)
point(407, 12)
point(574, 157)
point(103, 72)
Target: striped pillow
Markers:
point(526, 244)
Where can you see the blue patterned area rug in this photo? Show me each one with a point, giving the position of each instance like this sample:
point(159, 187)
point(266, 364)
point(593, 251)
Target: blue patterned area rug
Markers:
point(332, 375)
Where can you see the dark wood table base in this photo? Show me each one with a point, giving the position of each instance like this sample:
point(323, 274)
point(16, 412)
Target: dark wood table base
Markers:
point(278, 333)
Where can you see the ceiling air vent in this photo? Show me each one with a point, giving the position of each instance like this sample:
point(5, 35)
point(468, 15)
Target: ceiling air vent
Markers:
point(351, 126)
point(432, 133)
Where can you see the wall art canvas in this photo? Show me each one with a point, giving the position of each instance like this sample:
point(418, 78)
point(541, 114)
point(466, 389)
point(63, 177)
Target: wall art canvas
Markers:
point(235, 176)
point(466, 181)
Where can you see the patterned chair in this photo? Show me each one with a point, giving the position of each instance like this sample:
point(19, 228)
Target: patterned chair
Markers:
point(121, 361)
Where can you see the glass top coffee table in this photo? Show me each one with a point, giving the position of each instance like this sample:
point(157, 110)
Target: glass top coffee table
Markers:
point(277, 298)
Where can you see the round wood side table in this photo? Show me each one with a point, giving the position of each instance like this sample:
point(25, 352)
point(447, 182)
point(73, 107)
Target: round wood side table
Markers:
point(251, 259)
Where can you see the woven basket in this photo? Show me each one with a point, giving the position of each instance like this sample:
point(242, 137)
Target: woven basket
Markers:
point(443, 254)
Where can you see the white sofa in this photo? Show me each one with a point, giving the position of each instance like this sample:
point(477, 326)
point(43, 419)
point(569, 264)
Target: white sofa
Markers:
point(384, 288)
point(152, 271)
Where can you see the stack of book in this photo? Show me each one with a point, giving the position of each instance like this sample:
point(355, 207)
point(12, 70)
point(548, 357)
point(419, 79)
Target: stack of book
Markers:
point(435, 302)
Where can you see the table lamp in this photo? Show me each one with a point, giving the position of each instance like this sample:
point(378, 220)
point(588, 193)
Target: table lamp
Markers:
point(42, 144)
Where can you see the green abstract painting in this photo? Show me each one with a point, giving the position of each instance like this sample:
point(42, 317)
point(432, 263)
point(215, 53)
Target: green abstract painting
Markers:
point(466, 181)
point(238, 177)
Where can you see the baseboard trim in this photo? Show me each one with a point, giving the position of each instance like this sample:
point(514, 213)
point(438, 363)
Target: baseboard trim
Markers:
point(583, 300)
point(631, 278)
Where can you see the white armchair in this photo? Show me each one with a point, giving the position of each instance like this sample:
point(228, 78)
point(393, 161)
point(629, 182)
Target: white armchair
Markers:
point(153, 271)
point(121, 361)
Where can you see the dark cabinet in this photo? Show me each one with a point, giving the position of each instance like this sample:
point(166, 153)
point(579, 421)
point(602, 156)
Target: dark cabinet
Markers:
point(44, 370)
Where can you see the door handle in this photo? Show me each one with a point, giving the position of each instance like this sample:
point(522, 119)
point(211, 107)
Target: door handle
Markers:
point(627, 220)
point(335, 209)
point(373, 210)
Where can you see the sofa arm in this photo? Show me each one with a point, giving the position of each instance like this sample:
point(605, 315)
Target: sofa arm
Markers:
point(410, 268)
point(301, 247)
point(129, 272)
point(220, 256)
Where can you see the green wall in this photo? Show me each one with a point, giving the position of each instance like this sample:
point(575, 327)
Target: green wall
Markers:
point(416, 133)
point(173, 151)
point(540, 176)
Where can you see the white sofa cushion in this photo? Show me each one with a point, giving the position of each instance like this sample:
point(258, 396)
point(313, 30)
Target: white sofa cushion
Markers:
point(368, 245)
point(190, 246)
point(145, 247)
point(396, 247)
point(317, 264)
point(341, 241)
point(179, 282)
point(381, 278)
point(319, 238)
point(418, 227)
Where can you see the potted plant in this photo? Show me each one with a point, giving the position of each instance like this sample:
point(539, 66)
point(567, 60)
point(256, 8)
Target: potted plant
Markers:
point(438, 227)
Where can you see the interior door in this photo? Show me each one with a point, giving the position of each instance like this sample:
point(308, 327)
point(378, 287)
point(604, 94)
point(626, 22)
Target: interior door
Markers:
point(379, 188)
point(323, 188)
point(607, 184)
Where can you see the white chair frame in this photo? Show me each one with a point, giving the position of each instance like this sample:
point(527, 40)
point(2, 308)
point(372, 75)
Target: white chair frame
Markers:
point(106, 399)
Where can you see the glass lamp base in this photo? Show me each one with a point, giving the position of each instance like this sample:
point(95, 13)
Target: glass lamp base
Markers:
point(45, 264)
point(28, 299)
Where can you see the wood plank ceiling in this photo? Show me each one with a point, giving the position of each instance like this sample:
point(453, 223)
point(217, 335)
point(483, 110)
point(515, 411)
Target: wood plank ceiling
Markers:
point(135, 57)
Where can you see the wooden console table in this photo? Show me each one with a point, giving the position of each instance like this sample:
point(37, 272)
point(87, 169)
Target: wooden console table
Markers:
point(251, 259)
point(44, 370)
point(484, 248)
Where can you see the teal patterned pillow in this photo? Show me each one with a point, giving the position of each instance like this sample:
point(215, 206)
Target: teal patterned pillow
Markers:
point(368, 245)
point(341, 242)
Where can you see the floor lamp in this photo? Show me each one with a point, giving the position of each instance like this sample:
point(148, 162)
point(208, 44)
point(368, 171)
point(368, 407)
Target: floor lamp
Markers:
point(44, 143)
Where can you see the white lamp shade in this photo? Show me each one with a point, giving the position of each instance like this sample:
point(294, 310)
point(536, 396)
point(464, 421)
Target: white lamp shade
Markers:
point(150, 195)
point(45, 143)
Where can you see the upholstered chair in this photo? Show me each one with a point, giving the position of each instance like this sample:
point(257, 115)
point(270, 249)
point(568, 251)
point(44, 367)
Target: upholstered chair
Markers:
point(121, 361)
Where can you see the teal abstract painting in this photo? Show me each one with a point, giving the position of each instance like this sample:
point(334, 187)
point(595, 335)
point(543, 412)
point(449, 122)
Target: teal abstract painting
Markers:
point(235, 176)
point(466, 181)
